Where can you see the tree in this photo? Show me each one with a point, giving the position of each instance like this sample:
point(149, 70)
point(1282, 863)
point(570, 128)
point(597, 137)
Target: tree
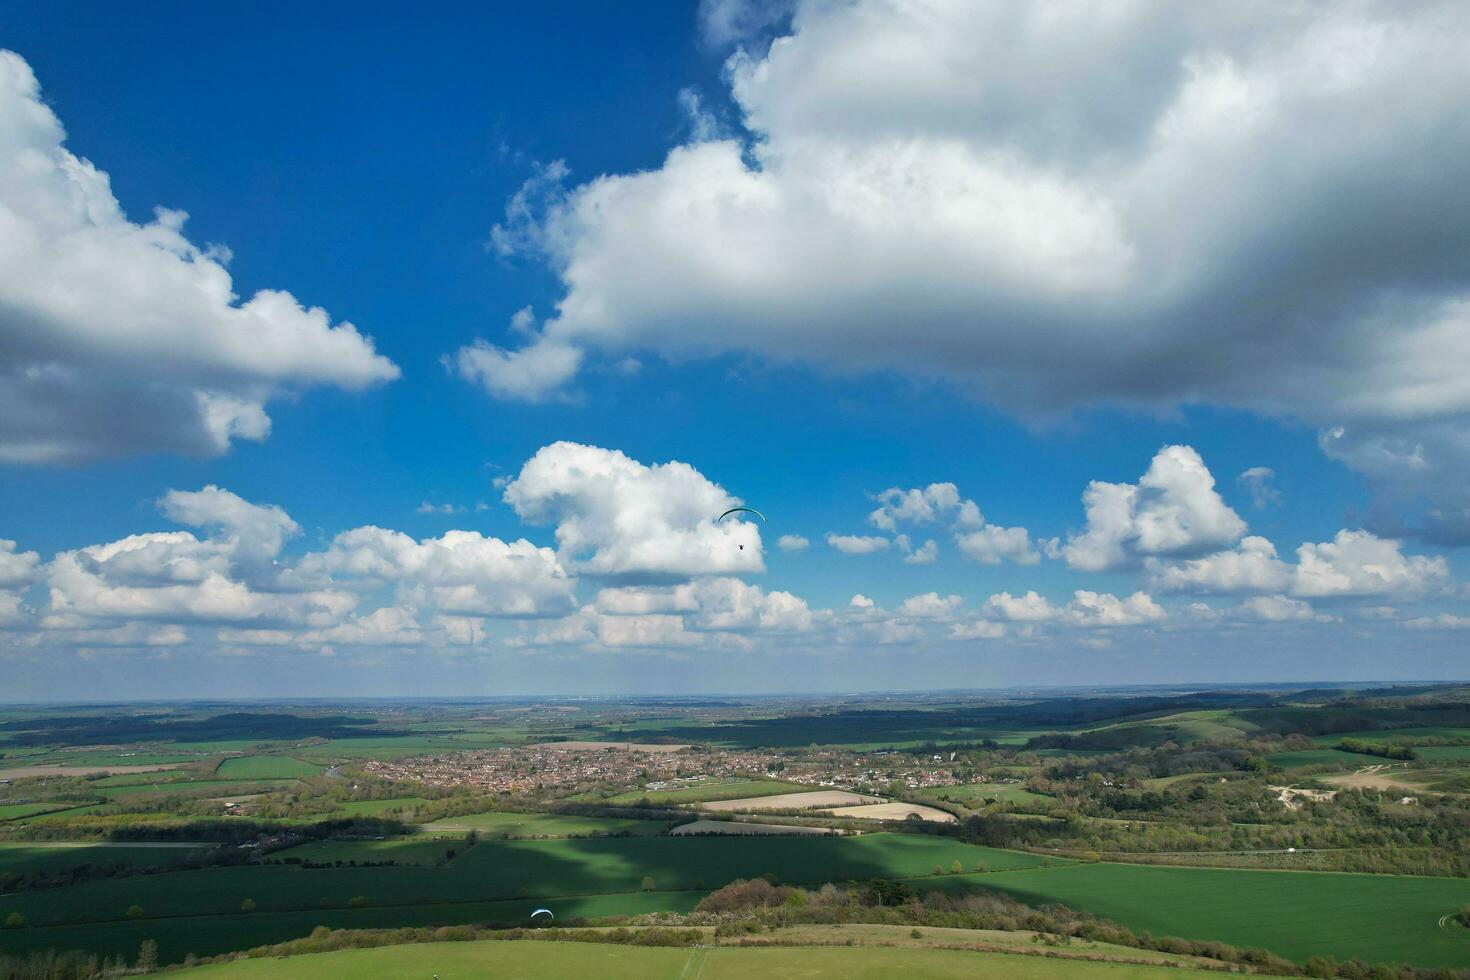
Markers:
point(248, 905)
point(648, 885)
point(147, 956)
point(957, 868)
point(15, 921)
point(135, 911)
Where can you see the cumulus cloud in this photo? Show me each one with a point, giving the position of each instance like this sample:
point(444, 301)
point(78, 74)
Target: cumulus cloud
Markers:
point(792, 542)
point(615, 516)
point(931, 605)
point(992, 544)
point(938, 502)
point(925, 554)
point(1173, 510)
point(17, 568)
point(1087, 609)
point(1251, 567)
point(1061, 204)
point(1359, 563)
point(460, 572)
point(977, 629)
point(857, 544)
point(713, 604)
point(1278, 609)
point(120, 338)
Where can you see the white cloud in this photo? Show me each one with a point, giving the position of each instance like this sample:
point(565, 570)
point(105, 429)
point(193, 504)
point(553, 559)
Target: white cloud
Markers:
point(931, 605)
point(860, 602)
point(120, 338)
point(1444, 621)
point(712, 605)
point(1173, 511)
point(529, 374)
point(17, 568)
point(1357, 563)
point(1103, 176)
point(792, 542)
point(460, 572)
point(1087, 609)
point(857, 544)
point(1260, 482)
point(1028, 608)
point(992, 544)
point(1251, 567)
point(614, 516)
point(1278, 609)
point(977, 629)
point(926, 505)
point(925, 554)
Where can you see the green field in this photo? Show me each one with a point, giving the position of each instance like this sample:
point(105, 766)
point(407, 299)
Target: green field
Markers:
point(51, 857)
point(197, 787)
point(532, 960)
point(1395, 735)
point(1444, 753)
point(499, 824)
point(199, 911)
point(15, 811)
point(710, 792)
point(375, 808)
point(403, 850)
point(1296, 914)
point(976, 794)
point(266, 767)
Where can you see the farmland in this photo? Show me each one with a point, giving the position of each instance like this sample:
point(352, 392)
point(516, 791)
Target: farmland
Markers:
point(1155, 812)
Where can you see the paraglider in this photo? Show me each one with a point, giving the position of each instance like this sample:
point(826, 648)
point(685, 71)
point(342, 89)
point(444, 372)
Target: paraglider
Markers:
point(545, 912)
point(741, 510)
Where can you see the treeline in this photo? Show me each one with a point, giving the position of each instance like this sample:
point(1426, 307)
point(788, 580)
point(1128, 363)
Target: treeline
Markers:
point(1381, 749)
point(237, 831)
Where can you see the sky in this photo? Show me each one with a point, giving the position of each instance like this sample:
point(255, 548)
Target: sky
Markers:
point(403, 351)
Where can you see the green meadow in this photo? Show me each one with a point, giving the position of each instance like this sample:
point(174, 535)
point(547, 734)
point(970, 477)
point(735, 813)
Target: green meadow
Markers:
point(1296, 914)
point(1319, 757)
point(536, 960)
point(266, 767)
point(501, 824)
point(711, 792)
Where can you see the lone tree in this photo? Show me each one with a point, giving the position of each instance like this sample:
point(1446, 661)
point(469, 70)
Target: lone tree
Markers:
point(248, 905)
point(648, 883)
point(135, 911)
point(15, 921)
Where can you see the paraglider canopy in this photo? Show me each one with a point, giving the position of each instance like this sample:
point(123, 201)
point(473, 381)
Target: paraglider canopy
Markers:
point(542, 912)
point(741, 510)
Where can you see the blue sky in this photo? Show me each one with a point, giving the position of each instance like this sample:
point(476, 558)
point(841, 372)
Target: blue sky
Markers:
point(740, 253)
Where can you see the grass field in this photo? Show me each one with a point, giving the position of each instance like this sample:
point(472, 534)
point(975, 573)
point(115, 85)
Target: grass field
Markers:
point(1395, 735)
point(266, 767)
point(374, 808)
point(533, 960)
point(49, 857)
point(403, 850)
point(1296, 914)
point(976, 794)
point(1444, 753)
point(16, 811)
point(499, 824)
point(196, 787)
point(711, 792)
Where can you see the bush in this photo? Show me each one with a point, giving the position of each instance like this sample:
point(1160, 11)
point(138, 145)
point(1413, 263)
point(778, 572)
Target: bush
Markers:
point(135, 911)
point(356, 902)
point(915, 934)
point(15, 921)
point(248, 905)
point(957, 868)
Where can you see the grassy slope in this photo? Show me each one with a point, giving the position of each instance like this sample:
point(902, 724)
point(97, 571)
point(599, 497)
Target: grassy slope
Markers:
point(1295, 914)
point(527, 960)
